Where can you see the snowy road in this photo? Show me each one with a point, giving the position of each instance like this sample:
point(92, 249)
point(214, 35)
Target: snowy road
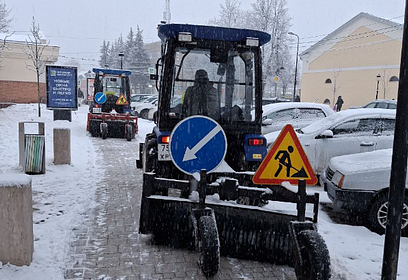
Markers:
point(107, 245)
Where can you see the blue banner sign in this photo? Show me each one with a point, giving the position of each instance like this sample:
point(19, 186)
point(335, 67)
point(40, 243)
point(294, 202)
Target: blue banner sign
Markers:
point(62, 87)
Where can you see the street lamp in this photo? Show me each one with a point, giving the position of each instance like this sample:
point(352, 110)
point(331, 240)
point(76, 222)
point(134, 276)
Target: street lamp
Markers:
point(296, 64)
point(378, 81)
point(121, 55)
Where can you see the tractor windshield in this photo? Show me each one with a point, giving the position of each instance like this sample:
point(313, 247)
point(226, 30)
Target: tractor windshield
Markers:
point(112, 85)
point(221, 88)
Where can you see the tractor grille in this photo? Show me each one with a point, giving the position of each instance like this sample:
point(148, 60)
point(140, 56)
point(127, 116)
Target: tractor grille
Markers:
point(329, 173)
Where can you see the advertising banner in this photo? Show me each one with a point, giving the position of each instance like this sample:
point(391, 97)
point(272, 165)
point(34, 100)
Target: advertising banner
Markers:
point(62, 87)
point(90, 88)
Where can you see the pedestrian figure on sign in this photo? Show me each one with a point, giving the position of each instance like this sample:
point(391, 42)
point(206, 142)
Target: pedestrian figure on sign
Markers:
point(339, 104)
point(284, 160)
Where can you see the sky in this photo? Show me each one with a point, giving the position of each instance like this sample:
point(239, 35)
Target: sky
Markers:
point(79, 27)
point(61, 202)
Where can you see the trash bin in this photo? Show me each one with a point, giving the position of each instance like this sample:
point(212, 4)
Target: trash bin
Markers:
point(32, 148)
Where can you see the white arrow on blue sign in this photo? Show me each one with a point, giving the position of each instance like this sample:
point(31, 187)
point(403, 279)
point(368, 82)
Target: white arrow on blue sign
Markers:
point(100, 97)
point(197, 143)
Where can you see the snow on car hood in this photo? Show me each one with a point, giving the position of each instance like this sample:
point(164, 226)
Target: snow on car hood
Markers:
point(369, 162)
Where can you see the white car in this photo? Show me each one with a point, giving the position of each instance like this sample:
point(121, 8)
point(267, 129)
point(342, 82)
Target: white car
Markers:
point(142, 108)
point(358, 184)
point(299, 114)
point(345, 132)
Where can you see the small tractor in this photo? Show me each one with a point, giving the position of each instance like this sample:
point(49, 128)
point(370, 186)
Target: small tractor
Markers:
point(217, 209)
point(110, 114)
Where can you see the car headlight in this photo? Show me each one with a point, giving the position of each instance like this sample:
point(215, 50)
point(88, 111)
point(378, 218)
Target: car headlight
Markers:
point(338, 178)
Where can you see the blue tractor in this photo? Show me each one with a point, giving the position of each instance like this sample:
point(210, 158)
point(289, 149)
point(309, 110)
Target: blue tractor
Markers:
point(216, 73)
point(110, 114)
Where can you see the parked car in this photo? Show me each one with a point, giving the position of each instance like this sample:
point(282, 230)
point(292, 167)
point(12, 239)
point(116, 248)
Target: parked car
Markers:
point(344, 132)
point(379, 103)
point(139, 97)
point(298, 114)
point(358, 184)
point(143, 108)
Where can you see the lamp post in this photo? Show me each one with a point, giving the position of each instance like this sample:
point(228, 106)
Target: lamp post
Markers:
point(378, 81)
point(121, 55)
point(296, 64)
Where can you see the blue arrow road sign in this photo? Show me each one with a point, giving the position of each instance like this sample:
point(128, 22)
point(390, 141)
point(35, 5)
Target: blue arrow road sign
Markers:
point(100, 97)
point(196, 143)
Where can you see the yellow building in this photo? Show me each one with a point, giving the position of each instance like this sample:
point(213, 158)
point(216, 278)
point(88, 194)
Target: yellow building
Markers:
point(18, 78)
point(359, 61)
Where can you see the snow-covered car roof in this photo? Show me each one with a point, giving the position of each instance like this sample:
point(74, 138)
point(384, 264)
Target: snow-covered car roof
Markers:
point(338, 117)
point(267, 109)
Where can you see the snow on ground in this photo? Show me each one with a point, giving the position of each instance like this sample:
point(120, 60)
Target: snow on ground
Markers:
point(60, 198)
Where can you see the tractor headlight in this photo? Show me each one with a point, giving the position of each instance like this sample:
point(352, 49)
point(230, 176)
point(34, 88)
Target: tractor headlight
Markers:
point(185, 37)
point(252, 42)
point(338, 178)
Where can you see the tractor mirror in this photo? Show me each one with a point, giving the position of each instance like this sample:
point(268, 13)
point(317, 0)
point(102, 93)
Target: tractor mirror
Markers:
point(219, 55)
point(222, 67)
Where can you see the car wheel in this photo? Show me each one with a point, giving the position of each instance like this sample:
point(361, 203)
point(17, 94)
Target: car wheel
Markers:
point(144, 114)
point(377, 215)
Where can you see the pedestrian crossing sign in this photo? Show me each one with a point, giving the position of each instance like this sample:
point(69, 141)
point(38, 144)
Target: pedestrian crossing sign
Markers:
point(122, 100)
point(285, 161)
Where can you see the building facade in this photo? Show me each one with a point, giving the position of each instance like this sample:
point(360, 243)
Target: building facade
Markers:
point(359, 61)
point(18, 78)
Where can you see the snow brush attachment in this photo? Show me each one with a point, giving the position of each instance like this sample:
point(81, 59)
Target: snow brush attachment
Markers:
point(236, 230)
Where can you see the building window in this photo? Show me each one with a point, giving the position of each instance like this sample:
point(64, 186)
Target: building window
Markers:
point(394, 79)
point(328, 81)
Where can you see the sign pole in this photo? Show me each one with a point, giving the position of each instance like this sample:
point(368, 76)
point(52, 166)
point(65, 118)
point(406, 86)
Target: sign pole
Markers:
point(398, 168)
point(301, 204)
point(202, 189)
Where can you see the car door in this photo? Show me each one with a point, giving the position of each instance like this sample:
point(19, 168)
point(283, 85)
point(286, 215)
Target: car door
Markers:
point(385, 137)
point(349, 137)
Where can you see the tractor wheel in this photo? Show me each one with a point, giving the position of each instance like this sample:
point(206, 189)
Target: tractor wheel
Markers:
point(94, 128)
point(129, 132)
point(315, 256)
point(210, 246)
point(377, 215)
point(104, 130)
point(150, 154)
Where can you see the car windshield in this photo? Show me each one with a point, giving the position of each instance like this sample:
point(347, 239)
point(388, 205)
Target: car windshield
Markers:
point(228, 87)
point(317, 126)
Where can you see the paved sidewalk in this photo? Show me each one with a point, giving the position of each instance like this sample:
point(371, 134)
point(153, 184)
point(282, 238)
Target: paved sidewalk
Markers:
point(107, 244)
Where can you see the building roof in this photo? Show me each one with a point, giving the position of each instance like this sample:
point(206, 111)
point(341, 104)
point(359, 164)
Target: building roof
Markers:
point(346, 25)
point(21, 38)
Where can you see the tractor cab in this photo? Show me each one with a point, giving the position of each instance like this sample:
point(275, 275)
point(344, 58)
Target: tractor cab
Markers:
point(110, 86)
point(215, 72)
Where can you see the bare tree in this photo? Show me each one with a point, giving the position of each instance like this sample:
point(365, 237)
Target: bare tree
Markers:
point(335, 83)
point(4, 20)
point(4, 24)
point(230, 15)
point(272, 17)
point(35, 49)
point(385, 78)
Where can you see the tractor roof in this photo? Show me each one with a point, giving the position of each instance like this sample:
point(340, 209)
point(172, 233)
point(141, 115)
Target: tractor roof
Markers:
point(167, 31)
point(112, 71)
